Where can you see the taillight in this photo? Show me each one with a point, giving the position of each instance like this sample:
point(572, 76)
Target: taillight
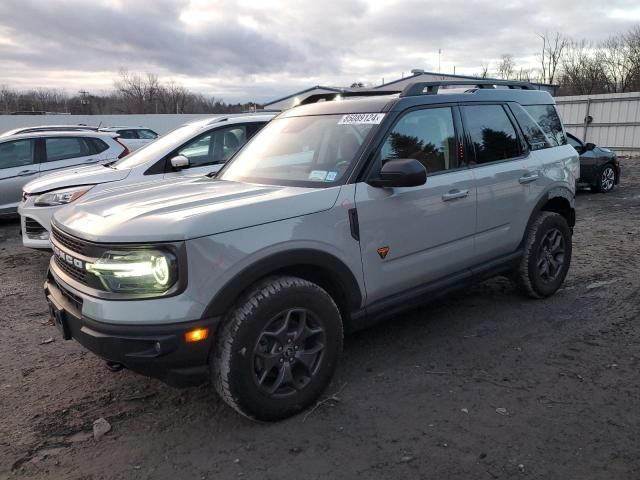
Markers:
point(126, 150)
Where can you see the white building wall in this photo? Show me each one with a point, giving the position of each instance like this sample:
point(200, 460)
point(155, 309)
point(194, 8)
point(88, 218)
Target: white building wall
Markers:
point(615, 120)
point(157, 122)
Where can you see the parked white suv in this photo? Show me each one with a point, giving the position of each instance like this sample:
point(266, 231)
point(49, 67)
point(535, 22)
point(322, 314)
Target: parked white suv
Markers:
point(196, 148)
point(133, 137)
point(30, 155)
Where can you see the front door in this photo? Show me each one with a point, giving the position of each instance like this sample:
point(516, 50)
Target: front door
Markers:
point(415, 235)
point(17, 167)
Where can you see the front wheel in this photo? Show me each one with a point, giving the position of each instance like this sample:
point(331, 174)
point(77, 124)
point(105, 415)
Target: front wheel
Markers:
point(278, 348)
point(547, 256)
point(607, 179)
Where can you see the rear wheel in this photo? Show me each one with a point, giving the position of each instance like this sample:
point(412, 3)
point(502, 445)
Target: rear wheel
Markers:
point(547, 256)
point(277, 349)
point(607, 179)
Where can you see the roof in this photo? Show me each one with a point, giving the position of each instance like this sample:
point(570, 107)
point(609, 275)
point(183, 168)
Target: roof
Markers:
point(316, 87)
point(59, 133)
point(395, 101)
point(452, 75)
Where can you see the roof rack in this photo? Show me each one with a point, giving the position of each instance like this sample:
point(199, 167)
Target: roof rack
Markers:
point(431, 88)
point(346, 93)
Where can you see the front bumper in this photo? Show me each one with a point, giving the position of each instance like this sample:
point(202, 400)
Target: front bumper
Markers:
point(158, 351)
point(32, 216)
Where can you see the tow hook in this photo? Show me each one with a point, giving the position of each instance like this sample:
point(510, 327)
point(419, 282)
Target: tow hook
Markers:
point(114, 366)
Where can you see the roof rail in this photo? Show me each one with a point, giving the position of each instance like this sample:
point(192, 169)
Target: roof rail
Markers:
point(346, 93)
point(431, 88)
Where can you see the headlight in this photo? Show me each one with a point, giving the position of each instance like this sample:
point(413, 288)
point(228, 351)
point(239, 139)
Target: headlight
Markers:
point(138, 271)
point(61, 197)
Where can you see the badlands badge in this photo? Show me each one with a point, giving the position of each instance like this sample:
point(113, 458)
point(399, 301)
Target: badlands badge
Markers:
point(383, 252)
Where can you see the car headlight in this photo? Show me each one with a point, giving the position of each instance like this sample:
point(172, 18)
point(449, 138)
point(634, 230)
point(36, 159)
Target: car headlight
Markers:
point(137, 271)
point(61, 197)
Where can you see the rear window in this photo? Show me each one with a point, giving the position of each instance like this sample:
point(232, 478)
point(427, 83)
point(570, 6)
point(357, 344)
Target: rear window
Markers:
point(547, 117)
point(147, 134)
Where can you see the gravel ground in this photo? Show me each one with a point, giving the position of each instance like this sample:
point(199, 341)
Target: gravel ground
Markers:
point(482, 384)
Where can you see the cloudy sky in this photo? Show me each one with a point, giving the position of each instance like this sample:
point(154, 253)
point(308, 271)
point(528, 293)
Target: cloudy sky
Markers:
point(261, 50)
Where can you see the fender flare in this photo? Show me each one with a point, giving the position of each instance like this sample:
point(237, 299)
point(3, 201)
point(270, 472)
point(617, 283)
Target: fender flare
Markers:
point(317, 260)
point(555, 192)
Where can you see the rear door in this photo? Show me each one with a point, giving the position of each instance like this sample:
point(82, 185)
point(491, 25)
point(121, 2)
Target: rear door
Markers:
point(211, 150)
point(507, 177)
point(65, 152)
point(415, 235)
point(17, 167)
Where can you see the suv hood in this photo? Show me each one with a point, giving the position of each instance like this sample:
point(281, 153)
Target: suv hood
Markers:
point(71, 177)
point(171, 210)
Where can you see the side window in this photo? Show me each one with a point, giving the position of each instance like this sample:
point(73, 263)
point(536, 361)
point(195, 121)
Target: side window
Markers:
point(491, 132)
point(547, 117)
point(532, 132)
point(97, 145)
point(147, 134)
point(131, 134)
point(62, 148)
point(215, 147)
point(16, 154)
point(425, 135)
point(574, 142)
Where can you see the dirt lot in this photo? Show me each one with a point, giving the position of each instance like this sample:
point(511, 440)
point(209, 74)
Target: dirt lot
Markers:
point(482, 384)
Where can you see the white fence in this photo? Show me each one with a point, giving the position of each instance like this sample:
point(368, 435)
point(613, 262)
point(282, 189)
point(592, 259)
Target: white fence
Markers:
point(609, 120)
point(160, 123)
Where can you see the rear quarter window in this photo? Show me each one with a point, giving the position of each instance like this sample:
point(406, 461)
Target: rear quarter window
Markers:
point(547, 117)
point(97, 145)
point(533, 133)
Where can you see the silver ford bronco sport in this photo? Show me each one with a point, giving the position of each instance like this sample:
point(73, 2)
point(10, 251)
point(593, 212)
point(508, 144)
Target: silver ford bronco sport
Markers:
point(335, 215)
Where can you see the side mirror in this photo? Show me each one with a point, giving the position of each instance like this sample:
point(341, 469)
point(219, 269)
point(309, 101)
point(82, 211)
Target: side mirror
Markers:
point(590, 146)
point(179, 161)
point(400, 172)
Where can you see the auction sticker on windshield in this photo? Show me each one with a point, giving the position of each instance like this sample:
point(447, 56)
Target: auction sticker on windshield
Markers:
point(361, 119)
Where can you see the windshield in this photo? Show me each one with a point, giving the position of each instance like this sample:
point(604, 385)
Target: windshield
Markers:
point(156, 149)
point(314, 151)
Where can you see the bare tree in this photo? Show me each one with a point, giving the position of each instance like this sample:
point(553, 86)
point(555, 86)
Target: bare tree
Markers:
point(484, 70)
point(506, 66)
point(551, 55)
point(582, 73)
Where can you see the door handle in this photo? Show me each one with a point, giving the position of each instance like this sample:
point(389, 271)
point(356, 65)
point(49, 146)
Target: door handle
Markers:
point(26, 173)
point(528, 178)
point(454, 194)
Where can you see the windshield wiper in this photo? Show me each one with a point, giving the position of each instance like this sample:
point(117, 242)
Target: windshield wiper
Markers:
point(110, 164)
point(212, 174)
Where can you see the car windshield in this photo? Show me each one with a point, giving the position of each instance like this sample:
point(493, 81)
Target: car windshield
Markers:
point(150, 151)
point(313, 151)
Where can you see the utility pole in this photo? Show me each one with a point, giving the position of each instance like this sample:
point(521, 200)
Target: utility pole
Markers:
point(84, 101)
point(439, 52)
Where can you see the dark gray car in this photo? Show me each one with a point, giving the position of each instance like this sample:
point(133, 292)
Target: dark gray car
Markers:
point(599, 167)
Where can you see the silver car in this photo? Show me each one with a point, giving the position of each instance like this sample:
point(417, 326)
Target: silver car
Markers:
point(334, 216)
point(27, 156)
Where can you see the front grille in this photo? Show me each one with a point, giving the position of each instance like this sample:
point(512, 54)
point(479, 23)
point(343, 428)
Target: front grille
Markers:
point(74, 299)
point(74, 244)
point(33, 228)
point(74, 272)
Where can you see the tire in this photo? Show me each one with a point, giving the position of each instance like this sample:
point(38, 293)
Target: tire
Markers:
point(547, 244)
point(278, 348)
point(606, 179)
